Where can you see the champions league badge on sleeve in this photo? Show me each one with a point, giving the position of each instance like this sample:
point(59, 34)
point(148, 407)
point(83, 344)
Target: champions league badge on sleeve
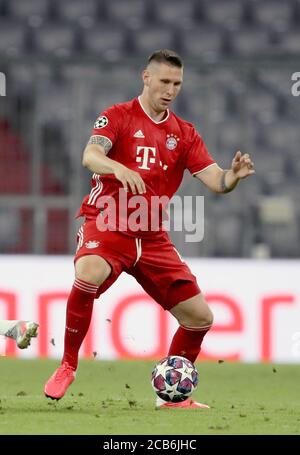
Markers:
point(101, 122)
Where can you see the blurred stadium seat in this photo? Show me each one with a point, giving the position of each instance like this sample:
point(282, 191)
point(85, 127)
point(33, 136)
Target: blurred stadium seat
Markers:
point(129, 13)
point(15, 173)
point(229, 13)
point(81, 13)
point(273, 14)
point(279, 227)
point(54, 38)
point(175, 12)
point(282, 135)
point(229, 134)
point(228, 231)
point(206, 43)
point(276, 79)
point(9, 229)
point(290, 42)
point(16, 229)
point(13, 38)
point(34, 12)
point(282, 239)
point(21, 76)
point(146, 39)
point(261, 105)
point(251, 41)
point(106, 42)
point(57, 231)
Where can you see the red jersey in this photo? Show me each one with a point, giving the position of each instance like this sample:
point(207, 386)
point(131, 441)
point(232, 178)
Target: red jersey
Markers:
point(159, 151)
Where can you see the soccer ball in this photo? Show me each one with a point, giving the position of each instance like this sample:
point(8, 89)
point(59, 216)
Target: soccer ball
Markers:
point(174, 378)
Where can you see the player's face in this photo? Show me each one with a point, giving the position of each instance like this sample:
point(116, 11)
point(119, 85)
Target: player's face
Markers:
point(164, 83)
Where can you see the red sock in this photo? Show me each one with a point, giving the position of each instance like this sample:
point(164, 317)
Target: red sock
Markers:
point(78, 318)
point(187, 342)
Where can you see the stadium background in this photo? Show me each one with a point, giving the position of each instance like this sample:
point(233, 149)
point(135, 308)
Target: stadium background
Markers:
point(64, 62)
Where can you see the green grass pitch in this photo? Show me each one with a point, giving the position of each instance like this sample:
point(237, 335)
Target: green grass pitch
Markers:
point(116, 398)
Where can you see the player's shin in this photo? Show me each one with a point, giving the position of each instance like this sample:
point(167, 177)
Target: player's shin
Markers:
point(78, 318)
point(187, 342)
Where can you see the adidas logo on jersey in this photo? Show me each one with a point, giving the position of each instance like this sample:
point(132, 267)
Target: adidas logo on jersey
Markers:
point(139, 133)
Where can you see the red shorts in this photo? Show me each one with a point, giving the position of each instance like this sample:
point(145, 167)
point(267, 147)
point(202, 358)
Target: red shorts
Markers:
point(154, 263)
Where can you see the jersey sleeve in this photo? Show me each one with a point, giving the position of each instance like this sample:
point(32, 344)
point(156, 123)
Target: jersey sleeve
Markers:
point(198, 157)
point(107, 124)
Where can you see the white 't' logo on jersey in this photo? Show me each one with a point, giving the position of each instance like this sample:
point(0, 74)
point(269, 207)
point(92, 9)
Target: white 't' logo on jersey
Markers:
point(145, 159)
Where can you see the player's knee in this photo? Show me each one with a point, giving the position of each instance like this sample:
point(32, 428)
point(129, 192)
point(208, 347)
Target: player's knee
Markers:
point(208, 317)
point(198, 315)
point(92, 269)
point(198, 319)
point(203, 316)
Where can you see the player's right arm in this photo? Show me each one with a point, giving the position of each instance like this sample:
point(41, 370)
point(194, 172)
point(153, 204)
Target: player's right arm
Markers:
point(95, 159)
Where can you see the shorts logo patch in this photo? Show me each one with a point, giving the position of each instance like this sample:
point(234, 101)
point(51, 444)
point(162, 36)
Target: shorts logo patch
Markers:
point(172, 141)
point(92, 244)
point(101, 122)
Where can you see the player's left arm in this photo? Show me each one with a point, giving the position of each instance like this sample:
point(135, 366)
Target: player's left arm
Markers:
point(225, 180)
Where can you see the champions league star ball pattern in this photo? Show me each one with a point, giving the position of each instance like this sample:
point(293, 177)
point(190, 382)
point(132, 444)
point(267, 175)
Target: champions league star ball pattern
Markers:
point(174, 378)
point(101, 122)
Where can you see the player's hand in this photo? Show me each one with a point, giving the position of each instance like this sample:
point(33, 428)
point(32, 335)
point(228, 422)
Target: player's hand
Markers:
point(242, 165)
point(131, 180)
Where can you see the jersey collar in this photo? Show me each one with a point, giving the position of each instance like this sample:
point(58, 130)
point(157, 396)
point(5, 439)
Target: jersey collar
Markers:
point(157, 123)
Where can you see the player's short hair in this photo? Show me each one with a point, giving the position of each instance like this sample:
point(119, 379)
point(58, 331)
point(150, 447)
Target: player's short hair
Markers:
point(166, 56)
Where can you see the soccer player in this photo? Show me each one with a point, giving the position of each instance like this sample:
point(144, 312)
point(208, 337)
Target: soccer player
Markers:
point(20, 331)
point(140, 149)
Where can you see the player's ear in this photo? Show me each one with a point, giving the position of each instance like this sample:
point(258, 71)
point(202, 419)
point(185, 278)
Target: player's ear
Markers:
point(146, 77)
